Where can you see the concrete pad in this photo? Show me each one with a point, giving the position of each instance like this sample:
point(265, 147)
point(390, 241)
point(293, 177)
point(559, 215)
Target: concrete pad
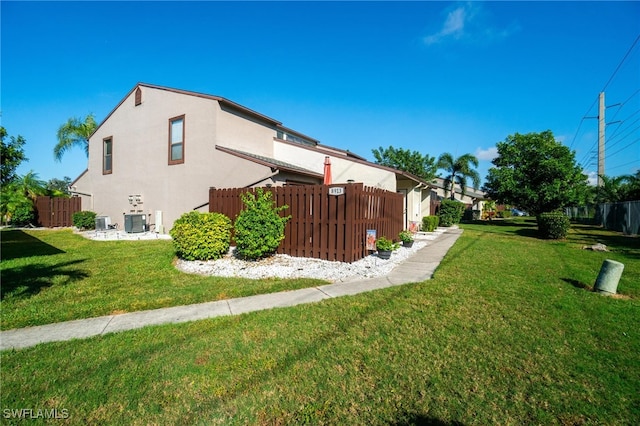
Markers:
point(275, 300)
point(31, 336)
point(175, 314)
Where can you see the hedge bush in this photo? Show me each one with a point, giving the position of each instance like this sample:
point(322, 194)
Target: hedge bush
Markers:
point(23, 215)
point(451, 212)
point(553, 226)
point(201, 236)
point(430, 223)
point(259, 228)
point(84, 220)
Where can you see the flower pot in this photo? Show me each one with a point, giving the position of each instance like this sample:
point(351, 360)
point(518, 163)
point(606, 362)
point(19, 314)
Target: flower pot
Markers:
point(407, 244)
point(384, 254)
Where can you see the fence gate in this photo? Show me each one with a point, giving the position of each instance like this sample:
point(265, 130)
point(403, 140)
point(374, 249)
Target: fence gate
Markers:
point(52, 212)
point(327, 222)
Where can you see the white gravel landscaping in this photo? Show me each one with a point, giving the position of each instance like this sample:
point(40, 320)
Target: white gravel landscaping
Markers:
point(283, 266)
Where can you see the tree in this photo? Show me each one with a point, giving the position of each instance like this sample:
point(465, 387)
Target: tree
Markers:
point(20, 194)
point(413, 162)
point(458, 171)
point(59, 187)
point(75, 132)
point(613, 189)
point(30, 186)
point(633, 187)
point(536, 173)
point(12, 154)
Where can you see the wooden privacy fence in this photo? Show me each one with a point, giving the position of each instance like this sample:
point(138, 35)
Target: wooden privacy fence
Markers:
point(52, 212)
point(327, 222)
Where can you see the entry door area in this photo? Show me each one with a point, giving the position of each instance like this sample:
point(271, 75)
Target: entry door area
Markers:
point(405, 206)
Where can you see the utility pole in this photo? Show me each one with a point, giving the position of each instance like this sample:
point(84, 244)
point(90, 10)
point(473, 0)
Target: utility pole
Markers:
point(601, 126)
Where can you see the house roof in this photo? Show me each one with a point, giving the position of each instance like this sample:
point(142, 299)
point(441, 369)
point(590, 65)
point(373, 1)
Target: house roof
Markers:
point(270, 162)
point(469, 191)
point(224, 103)
point(328, 150)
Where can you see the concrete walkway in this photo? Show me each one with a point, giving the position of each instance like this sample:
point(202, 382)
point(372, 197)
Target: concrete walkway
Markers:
point(419, 267)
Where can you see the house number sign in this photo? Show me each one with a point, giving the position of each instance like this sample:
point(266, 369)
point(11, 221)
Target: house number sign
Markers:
point(336, 190)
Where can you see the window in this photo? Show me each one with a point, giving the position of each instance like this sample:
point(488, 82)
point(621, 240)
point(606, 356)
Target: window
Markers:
point(107, 156)
point(176, 140)
point(138, 99)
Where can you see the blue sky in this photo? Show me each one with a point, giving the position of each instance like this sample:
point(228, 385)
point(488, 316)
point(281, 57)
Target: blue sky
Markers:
point(434, 77)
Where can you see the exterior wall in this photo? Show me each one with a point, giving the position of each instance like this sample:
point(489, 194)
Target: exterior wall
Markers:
point(342, 168)
point(413, 201)
point(243, 133)
point(140, 137)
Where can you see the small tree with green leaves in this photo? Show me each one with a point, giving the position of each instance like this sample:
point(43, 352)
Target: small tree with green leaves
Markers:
point(259, 228)
point(535, 172)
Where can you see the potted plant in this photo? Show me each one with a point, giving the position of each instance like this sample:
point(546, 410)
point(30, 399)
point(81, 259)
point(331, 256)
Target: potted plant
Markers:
point(406, 237)
point(385, 246)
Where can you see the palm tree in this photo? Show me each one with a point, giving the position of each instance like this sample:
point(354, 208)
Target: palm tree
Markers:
point(20, 194)
point(31, 186)
point(74, 132)
point(612, 189)
point(458, 171)
point(633, 187)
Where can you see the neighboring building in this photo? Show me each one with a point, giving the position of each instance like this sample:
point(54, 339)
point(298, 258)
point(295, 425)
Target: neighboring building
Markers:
point(473, 197)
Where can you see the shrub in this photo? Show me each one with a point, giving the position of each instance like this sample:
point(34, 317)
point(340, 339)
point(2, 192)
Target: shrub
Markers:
point(405, 236)
point(505, 214)
point(450, 212)
point(201, 236)
point(430, 223)
point(23, 215)
point(385, 244)
point(554, 226)
point(84, 220)
point(259, 228)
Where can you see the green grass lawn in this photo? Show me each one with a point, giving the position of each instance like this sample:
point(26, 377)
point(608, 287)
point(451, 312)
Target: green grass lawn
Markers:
point(53, 276)
point(506, 333)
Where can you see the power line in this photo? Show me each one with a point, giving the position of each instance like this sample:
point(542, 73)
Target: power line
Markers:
point(625, 164)
point(621, 62)
point(622, 149)
point(626, 135)
point(603, 89)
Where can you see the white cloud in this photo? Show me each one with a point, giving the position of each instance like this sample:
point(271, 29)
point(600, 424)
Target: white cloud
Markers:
point(487, 154)
point(468, 21)
point(453, 25)
point(592, 177)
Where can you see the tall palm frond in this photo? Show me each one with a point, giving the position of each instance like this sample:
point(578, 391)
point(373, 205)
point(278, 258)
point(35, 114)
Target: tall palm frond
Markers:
point(75, 132)
point(30, 186)
point(458, 170)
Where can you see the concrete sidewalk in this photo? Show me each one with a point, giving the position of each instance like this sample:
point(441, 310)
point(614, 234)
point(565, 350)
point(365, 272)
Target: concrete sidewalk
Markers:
point(417, 268)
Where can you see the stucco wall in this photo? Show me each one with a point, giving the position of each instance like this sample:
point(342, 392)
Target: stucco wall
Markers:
point(342, 169)
point(140, 159)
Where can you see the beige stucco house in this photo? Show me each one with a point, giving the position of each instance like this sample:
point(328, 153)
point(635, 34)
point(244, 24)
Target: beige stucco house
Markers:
point(161, 149)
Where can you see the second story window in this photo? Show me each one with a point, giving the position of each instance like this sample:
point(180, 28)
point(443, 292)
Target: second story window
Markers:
point(107, 156)
point(176, 140)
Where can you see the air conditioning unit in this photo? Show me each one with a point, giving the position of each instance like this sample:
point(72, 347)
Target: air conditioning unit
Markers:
point(134, 223)
point(102, 223)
